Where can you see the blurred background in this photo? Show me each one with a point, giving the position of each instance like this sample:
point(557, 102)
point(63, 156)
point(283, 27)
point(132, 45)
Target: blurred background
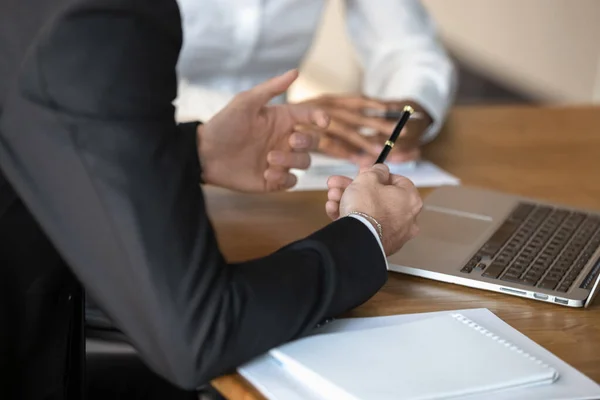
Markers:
point(509, 51)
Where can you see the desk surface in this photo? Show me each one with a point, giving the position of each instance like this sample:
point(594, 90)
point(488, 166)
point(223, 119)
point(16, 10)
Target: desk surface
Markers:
point(549, 153)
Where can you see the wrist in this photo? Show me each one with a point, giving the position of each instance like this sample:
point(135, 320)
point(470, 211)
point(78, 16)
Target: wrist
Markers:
point(205, 155)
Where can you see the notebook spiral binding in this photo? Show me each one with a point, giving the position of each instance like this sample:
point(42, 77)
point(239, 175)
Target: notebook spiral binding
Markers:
point(496, 338)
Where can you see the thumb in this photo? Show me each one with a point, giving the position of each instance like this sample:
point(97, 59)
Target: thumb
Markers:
point(401, 181)
point(378, 173)
point(265, 91)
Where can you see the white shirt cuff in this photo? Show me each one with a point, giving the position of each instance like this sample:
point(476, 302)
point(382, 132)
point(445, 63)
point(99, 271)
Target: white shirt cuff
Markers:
point(374, 232)
point(434, 95)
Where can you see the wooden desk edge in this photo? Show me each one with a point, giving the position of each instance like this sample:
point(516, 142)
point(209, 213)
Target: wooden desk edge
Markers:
point(234, 386)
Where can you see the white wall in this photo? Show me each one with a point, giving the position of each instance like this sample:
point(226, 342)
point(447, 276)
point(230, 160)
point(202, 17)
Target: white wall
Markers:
point(545, 48)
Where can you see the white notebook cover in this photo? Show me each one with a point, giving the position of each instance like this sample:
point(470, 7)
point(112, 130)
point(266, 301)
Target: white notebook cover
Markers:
point(441, 357)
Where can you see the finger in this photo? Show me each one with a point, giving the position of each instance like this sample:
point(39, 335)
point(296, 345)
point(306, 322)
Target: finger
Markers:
point(364, 168)
point(407, 141)
point(365, 161)
point(358, 119)
point(265, 91)
point(380, 138)
point(290, 181)
point(346, 133)
point(406, 148)
point(338, 181)
point(414, 230)
point(278, 179)
point(332, 208)
point(410, 190)
point(378, 173)
point(400, 155)
point(387, 127)
point(412, 195)
point(275, 175)
point(335, 194)
point(287, 159)
point(337, 148)
point(358, 103)
point(306, 114)
point(401, 181)
point(305, 140)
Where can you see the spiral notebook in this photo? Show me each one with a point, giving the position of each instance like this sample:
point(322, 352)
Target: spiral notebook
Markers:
point(438, 358)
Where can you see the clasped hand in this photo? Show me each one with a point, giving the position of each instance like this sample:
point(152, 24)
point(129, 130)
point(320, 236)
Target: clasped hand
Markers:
point(391, 199)
point(344, 138)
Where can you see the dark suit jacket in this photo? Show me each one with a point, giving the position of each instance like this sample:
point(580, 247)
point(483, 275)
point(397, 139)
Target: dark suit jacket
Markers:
point(89, 143)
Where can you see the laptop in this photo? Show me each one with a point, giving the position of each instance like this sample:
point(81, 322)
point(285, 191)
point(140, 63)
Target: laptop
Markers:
point(505, 243)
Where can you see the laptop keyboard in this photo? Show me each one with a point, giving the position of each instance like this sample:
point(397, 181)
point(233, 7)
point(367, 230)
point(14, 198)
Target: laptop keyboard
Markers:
point(539, 246)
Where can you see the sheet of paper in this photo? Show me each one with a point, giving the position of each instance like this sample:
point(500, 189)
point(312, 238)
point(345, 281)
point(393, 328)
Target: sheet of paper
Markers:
point(272, 380)
point(421, 173)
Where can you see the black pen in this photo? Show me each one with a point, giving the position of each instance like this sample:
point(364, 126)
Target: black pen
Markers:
point(389, 144)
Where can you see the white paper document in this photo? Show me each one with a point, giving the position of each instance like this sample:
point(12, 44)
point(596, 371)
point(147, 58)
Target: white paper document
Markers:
point(421, 173)
point(273, 379)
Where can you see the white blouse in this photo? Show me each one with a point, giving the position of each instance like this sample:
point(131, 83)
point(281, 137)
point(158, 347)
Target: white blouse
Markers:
point(231, 45)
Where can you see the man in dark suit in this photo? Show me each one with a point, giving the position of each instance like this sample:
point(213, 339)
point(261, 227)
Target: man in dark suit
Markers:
point(102, 185)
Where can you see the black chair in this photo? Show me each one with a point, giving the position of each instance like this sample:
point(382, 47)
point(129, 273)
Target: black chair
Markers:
point(115, 371)
point(77, 365)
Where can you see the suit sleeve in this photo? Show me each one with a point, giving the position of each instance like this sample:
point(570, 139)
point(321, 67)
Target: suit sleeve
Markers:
point(89, 142)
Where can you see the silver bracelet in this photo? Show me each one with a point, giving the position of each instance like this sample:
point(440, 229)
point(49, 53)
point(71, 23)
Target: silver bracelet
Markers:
point(373, 220)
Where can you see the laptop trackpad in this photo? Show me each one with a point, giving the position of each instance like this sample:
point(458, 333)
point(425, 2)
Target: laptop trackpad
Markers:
point(445, 240)
point(452, 228)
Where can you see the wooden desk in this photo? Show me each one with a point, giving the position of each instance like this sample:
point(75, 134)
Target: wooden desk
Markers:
point(551, 153)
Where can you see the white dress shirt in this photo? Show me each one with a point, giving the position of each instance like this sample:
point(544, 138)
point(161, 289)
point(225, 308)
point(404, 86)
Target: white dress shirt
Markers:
point(231, 45)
